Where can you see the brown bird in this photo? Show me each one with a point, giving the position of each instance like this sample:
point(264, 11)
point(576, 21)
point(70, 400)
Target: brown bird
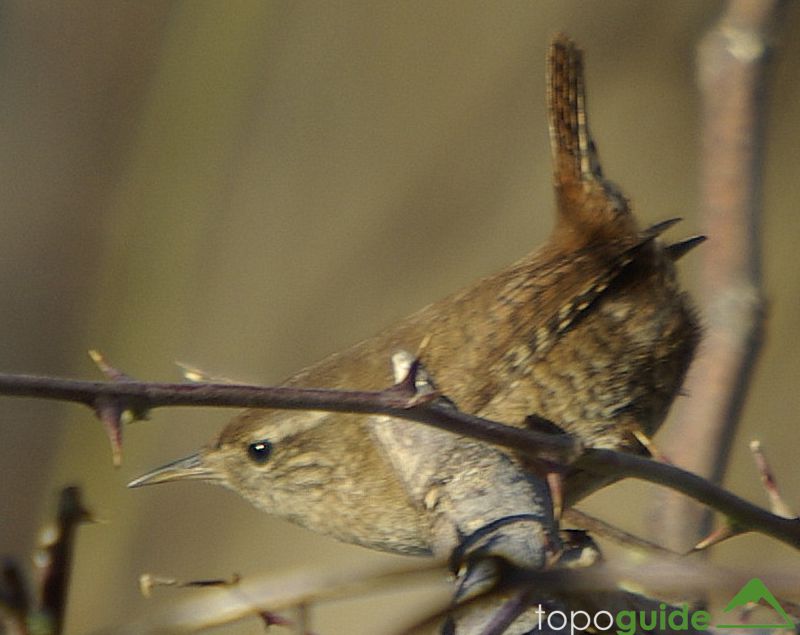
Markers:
point(590, 331)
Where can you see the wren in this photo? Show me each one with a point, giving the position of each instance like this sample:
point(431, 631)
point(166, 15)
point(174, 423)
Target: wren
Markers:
point(591, 331)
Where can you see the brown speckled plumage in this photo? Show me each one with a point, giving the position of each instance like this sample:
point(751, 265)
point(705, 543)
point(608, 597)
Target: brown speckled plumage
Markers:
point(590, 331)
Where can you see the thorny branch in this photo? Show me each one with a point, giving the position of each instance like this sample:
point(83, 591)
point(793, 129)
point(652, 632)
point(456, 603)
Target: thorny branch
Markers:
point(135, 399)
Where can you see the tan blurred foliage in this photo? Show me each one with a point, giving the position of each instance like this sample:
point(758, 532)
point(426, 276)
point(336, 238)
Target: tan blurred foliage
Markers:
point(247, 186)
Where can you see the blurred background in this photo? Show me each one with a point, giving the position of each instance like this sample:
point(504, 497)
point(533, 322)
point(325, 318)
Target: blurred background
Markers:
point(250, 185)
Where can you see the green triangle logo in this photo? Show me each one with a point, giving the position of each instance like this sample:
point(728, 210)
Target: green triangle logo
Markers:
point(755, 591)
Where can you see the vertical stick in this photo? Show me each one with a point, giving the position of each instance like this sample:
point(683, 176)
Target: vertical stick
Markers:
point(732, 62)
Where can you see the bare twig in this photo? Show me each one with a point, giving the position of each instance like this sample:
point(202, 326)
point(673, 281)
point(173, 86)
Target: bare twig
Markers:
point(732, 64)
point(149, 581)
point(20, 613)
point(253, 595)
point(15, 600)
point(55, 561)
point(776, 502)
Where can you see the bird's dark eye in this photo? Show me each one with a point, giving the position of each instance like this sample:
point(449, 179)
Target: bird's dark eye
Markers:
point(259, 452)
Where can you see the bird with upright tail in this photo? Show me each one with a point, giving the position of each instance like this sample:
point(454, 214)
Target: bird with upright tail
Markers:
point(590, 331)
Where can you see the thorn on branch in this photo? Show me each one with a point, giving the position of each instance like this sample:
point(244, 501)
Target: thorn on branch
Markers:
point(274, 619)
point(113, 412)
point(650, 446)
point(110, 414)
point(414, 385)
point(193, 374)
point(717, 536)
point(776, 502)
point(197, 375)
point(107, 369)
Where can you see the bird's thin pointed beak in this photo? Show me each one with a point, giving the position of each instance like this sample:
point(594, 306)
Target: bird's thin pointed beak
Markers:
point(189, 468)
